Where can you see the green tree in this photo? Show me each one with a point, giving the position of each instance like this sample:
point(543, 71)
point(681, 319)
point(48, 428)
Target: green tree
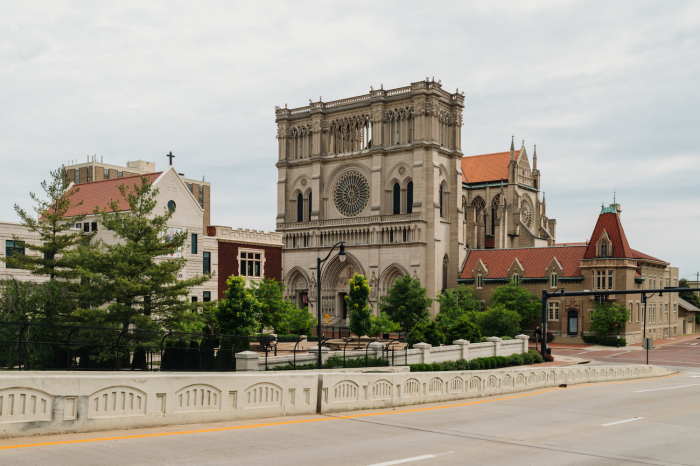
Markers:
point(689, 296)
point(425, 331)
point(456, 303)
point(606, 315)
point(382, 324)
point(296, 321)
point(236, 313)
point(463, 329)
point(131, 278)
point(268, 292)
point(360, 311)
point(520, 300)
point(406, 302)
point(498, 321)
point(34, 302)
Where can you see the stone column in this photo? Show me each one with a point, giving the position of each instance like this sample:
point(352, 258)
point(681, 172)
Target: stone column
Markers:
point(465, 348)
point(324, 353)
point(525, 341)
point(247, 361)
point(496, 345)
point(425, 348)
point(375, 349)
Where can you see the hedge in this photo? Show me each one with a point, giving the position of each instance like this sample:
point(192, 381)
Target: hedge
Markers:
point(531, 357)
point(336, 361)
point(604, 341)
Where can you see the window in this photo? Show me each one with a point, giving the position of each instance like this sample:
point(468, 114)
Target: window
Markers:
point(94, 226)
point(630, 308)
point(666, 313)
point(207, 262)
point(171, 206)
point(397, 199)
point(310, 206)
point(516, 279)
point(553, 311)
point(190, 187)
point(77, 176)
point(653, 313)
point(251, 264)
point(675, 312)
point(479, 281)
point(604, 249)
point(88, 174)
point(207, 296)
point(553, 280)
point(105, 173)
point(638, 312)
point(201, 196)
point(194, 243)
point(409, 197)
point(194, 299)
point(441, 216)
point(12, 249)
point(79, 226)
point(300, 208)
point(600, 280)
point(120, 174)
point(610, 279)
point(86, 227)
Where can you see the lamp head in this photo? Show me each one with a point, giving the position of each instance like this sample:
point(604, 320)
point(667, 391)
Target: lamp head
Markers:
point(341, 253)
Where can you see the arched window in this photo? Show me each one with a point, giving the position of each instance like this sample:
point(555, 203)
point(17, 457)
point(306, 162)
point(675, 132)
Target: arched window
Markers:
point(441, 194)
point(300, 208)
point(310, 206)
point(171, 206)
point(397, 199)
point(409, 197)
point(479, 281)
point(444, 273)
point(516, 279)
point(604, 249)
point(553, 280)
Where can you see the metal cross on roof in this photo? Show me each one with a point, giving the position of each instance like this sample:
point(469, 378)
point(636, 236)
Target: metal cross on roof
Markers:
point(170, 156)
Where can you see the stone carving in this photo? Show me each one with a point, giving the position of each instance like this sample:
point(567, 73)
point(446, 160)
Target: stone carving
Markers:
point(526, 211)
point(351, 194)
point(456, 385)
point(304, 182)
point(435, 386)
point(117, 401)
point(197, 397)
point(345, 391)
point(381, 390)
point(263, 395)
point(402, 171)
point(24, 404)
point(411, 388)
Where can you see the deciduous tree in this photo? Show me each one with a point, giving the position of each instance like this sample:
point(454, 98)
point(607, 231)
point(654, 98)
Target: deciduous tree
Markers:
point(360, 311)
point(406, 302)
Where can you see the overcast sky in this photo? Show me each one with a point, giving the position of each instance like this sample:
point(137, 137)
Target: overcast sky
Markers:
point(609, 92)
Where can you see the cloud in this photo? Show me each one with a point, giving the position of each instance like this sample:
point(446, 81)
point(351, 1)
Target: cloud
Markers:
point(608, 92)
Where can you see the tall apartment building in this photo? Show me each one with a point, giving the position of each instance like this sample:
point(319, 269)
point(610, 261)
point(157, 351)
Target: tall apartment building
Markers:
point(96, 170)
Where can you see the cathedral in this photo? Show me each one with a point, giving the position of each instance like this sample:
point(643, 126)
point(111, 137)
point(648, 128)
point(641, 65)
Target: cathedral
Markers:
point(384, 172)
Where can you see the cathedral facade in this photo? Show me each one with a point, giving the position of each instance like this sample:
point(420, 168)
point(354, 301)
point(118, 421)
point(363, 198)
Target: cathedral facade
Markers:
point(384, 173)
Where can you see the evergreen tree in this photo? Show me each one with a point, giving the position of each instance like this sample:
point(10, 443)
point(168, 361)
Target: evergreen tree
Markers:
point(132, 278)
point(139, 361)
point(208, 358)
point(268, 292)
point(689, 296)
point(360, 311)
point(237, 313)
point(224, 357)
point(406, 302)
point(192, 360)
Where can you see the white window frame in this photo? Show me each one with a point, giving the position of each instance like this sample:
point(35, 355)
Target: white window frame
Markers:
point(553, 311)
point(244, 273)
point(553, 280)
point(479, 281)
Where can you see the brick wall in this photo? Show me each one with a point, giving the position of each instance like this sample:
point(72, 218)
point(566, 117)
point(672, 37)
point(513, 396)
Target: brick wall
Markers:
point(228, 262)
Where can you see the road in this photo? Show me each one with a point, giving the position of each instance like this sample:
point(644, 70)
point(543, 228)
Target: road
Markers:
point(654, 421)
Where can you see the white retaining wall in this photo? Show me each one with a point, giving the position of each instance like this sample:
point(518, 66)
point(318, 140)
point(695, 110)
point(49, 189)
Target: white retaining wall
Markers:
point(421, 353)
point(59, 402)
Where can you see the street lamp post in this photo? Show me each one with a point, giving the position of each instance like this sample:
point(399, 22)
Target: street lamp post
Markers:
point(341, 256)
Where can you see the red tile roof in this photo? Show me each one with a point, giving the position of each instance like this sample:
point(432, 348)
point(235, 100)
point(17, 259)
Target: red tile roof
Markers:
point(100, 193)
point(487, 167)
point(534, 260)
point(609, 222)
point(640, 255)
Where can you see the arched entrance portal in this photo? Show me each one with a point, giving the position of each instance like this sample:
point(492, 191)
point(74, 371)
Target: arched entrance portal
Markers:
point(297, 287)
point(573, 323)
point(335, 283)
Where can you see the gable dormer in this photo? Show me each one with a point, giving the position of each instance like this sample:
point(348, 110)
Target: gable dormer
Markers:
point(554, 271)
point(604, 246)
point(480, 272)
point(516, 271)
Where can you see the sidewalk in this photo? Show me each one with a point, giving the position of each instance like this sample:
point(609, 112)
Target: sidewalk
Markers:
point(670, 341)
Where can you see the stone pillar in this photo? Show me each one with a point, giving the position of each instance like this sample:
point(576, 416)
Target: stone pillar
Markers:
point(324, 353)
point(496, 345)
point(425, 348)
point(375, 349)
point(525, 341)
point(247, 361)
point(465, 348)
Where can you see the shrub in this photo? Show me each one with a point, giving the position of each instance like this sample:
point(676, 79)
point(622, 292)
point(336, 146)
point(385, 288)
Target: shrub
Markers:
point(527, 358)
point(139, 361)
point(425, 331)
point(506, 338)
point(474, 365)
point(515, 360)
point(604, 341)
point(288, 338)
point(537, 357)
point(548, 358)
point(462, 364)
point(436, 366)
point(504, 361)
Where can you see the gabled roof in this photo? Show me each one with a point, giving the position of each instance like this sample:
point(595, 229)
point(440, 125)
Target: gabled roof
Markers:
point(687, 306)
point(487, 167)
point(534, 260)
point(640, 255)
point(100, 193)
point(610, 223)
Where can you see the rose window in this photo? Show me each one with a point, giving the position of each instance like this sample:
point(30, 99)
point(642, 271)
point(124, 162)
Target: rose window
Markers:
point(526, 213)
point(351, 194)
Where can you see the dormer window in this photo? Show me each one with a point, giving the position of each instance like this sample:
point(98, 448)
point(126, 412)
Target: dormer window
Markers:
point(553, 280)
point(516, 279)
point(479, 281)
point(604, 250)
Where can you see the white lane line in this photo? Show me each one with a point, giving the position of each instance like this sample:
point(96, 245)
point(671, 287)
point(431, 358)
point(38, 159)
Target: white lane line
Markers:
point(667, 388)
point(408, 460)
point(620, 422)
point(617, 354)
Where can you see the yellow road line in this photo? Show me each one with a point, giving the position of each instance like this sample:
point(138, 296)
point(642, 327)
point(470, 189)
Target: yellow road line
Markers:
point(331, 418)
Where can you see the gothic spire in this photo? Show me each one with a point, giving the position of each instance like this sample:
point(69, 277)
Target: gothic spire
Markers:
point(534, 158)
point(512, 148)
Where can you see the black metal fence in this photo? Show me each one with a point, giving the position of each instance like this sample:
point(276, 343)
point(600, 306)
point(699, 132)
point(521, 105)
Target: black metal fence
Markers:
point(38, 346)
point(337, 331)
